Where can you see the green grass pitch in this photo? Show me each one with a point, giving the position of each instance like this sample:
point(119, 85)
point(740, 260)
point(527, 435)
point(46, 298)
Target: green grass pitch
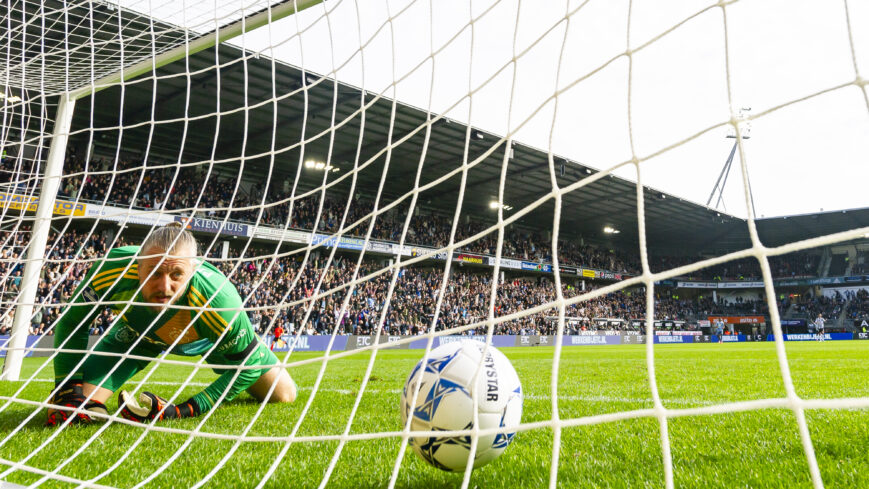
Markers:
point(747, 449)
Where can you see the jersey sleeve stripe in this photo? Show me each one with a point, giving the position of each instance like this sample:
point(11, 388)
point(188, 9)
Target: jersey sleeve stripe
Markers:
point(214, 314)
point(217, 318)
point(204, 316)
point(106, 272)
point(198, 295)
point(208, 322)
point(105, 283)
point(131, 273)
point(109, 278)
point(104, 280)
point(114, 270)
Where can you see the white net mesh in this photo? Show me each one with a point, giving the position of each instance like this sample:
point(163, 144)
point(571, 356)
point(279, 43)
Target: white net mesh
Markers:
point(358, 223)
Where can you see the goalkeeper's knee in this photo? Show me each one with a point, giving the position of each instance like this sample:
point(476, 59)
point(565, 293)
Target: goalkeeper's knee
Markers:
point(71, 396)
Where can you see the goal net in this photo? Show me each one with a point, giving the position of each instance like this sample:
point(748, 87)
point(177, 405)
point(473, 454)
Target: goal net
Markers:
point(380, 178)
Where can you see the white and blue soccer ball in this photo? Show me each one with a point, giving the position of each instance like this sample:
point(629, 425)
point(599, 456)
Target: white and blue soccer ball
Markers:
point(446, 403)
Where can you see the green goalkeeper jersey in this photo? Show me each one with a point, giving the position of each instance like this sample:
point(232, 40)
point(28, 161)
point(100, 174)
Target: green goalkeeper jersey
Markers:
point(217, 319)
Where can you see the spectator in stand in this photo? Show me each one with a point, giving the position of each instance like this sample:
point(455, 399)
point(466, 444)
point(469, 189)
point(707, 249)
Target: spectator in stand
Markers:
point(36, 320)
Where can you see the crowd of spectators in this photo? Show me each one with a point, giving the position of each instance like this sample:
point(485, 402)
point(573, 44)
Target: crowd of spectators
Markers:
point(184, 188)
point(739, 306)
point(791, 265)
point(795, 265)
point(296, 287)
point(858, 305)
point(414, 303)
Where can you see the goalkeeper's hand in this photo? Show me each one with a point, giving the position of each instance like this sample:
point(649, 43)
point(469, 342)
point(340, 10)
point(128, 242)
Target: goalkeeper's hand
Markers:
point(71, 395)
point(150, 406)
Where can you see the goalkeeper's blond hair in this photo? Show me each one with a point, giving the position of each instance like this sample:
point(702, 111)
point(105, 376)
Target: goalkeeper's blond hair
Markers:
point(170, 238)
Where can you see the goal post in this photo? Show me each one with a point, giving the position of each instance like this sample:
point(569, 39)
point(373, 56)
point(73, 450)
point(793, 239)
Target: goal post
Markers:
point(39, 237)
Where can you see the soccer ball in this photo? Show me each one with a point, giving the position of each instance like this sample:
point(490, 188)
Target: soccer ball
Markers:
point(445, 403)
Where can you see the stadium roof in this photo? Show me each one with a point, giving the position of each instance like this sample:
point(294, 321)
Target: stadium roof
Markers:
point(787, 229)
point(610, 201)
point(252, 122)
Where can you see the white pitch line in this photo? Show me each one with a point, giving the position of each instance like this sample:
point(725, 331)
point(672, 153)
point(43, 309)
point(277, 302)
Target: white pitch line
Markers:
point(533, 397)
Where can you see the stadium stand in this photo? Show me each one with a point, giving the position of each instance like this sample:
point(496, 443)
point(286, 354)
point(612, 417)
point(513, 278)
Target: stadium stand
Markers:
point(413, 305)
point(838, 264)
point(411, 312)
point(829, 307)
point(164, 189)
point(861, 264)
point(859, 304)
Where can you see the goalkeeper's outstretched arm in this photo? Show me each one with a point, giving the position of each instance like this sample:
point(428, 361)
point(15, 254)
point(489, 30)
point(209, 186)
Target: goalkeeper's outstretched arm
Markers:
point(270, 381)
point(239, 346)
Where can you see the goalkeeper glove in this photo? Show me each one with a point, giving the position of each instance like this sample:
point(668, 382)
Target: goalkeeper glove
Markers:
point(149, 406)
point(71, 395)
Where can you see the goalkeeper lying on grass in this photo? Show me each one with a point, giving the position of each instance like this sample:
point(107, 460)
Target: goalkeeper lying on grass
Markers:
point(164, 274)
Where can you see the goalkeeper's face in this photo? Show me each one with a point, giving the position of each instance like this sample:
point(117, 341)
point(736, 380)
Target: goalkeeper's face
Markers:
point(164, 279)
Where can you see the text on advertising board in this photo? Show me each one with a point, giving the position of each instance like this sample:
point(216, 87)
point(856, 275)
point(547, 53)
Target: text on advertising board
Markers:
point(211, 226)
point(23, 202)
point(536, 267)
point(470, 259)
point(738, 319)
